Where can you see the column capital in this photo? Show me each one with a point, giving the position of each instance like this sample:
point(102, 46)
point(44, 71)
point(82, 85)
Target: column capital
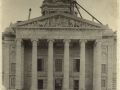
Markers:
point(83, 41)
point(66, 40)
point(50, 40)
point(34, 40)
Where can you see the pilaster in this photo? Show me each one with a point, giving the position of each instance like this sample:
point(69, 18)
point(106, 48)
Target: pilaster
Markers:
point(97, 65)
point(6, 61)
point(110, 69)
point(19, 82)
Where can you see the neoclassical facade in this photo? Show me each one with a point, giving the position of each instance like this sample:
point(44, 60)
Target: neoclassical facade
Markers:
point(59, 51)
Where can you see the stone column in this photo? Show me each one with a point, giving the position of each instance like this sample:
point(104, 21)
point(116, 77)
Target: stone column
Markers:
point(82, 65)
point(66, 65)
point(97, 66)
point(34, 65)
point(50, 65)
point(19, 66)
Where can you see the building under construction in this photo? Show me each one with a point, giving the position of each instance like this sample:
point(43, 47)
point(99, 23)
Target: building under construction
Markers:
point(60, 50)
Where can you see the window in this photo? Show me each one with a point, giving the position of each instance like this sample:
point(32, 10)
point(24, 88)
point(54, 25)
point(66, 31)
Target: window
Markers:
point(52, 12)
point(103, 83)
point(58, 84)
point(12, 82)
point(40, 84)
point(13, 68)
point(40, 65)
point(43, 13)
point(76, 65)
point(58, 65)
point(103, 68)
point(76, 84)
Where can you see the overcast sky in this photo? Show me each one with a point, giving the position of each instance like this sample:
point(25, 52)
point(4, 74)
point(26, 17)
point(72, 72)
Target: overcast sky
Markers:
point(17, 10)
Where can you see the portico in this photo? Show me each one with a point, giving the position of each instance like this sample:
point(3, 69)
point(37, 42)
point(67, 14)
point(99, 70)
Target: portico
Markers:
point(66, 65)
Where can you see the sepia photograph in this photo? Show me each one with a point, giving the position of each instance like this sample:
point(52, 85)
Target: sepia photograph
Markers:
point(59, 44)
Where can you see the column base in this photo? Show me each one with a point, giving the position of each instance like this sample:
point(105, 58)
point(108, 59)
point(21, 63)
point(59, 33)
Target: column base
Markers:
point(66, 89)
point(82, 89)
point(16, 89)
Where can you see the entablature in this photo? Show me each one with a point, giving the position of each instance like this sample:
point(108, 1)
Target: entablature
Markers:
point(60, 33)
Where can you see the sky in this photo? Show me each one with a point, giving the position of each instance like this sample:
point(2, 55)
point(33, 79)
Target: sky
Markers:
point(17, 10)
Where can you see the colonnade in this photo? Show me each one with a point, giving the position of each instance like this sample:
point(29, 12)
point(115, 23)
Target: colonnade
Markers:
point(50, 86)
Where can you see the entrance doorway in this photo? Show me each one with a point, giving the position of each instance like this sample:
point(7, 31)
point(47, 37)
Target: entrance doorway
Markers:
point(58, 84)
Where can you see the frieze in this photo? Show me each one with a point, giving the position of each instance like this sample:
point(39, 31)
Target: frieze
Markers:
point(57, 34)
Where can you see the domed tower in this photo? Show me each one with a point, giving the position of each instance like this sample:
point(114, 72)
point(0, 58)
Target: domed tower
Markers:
point(53, 6)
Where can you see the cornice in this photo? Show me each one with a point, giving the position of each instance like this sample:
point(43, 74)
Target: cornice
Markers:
point(59, 28)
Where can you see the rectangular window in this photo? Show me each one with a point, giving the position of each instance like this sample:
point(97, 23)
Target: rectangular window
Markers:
point(40, 65)
point(76, 84)
point(103, 83)
point(58, 65)
point(12, 82)
point(13, 66)
point(58, 84)
point(40, 84)
point(76, 65)
point(103, 68)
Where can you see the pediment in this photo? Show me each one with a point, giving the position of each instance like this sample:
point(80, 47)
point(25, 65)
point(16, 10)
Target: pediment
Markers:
point(59, 20)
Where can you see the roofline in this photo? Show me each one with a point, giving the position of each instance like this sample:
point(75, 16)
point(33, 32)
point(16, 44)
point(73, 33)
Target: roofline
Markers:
point(58, 13)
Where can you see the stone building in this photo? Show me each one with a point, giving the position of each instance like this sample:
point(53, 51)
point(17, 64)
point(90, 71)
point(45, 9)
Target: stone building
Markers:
point(59, 51)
